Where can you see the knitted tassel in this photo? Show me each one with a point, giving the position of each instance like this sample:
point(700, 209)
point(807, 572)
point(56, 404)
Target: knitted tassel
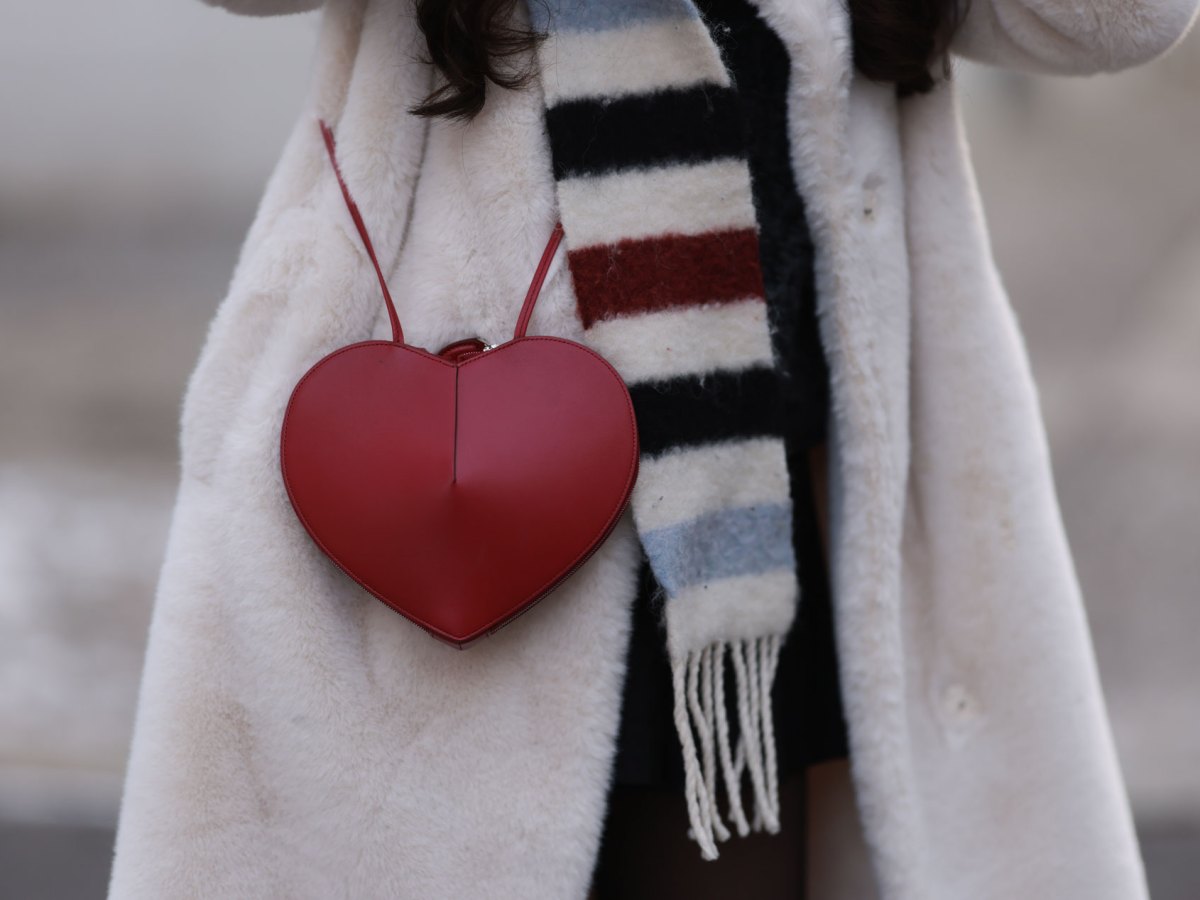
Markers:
point(704, 737)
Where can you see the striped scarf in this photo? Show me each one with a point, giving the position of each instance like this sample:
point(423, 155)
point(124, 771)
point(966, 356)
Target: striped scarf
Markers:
point(655, 195)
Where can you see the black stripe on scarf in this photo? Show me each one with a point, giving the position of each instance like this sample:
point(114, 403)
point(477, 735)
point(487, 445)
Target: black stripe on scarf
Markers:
point(680, 125)
point(700, 409)
point(762, 67)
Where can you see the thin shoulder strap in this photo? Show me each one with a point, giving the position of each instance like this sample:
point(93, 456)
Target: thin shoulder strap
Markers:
point(397, 334)
point(535, 287)
point(539, 276)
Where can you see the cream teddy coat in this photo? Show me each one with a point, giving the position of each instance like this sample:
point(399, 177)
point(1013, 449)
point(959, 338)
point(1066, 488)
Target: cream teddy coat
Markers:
point(295, 738)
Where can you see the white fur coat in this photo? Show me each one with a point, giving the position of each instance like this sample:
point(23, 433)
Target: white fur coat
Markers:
point(295, 738)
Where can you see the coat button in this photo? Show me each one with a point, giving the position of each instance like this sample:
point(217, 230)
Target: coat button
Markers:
point(960, 713)
point(870, 196)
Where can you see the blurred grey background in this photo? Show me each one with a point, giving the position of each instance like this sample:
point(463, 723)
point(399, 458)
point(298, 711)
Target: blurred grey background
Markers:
point(138, 136)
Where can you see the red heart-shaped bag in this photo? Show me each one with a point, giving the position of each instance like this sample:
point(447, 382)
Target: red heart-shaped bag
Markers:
point(459, 487)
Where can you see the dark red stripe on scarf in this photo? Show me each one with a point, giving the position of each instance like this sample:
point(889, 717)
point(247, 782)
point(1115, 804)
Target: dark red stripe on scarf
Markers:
point(651, 274)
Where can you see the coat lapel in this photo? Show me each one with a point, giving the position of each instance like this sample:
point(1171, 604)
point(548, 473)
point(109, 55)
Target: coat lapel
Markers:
point(846, 160)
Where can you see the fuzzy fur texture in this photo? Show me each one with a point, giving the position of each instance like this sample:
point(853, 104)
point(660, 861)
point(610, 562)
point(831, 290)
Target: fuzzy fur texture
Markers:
point(297, 739)
point(285, 715)
point(1073, 37)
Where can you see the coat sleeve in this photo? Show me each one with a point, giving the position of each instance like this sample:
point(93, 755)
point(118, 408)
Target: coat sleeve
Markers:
point(266, 7)
point(1072, 37)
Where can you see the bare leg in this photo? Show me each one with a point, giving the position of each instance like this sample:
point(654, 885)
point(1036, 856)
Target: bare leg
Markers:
point(646, 852)
point(839, 865)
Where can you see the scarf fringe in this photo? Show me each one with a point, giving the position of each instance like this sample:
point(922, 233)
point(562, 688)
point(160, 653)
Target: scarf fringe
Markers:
point(702, 722)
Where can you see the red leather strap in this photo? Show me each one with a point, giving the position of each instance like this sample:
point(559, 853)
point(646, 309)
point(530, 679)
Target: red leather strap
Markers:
point(535, 287)
point(397, 334)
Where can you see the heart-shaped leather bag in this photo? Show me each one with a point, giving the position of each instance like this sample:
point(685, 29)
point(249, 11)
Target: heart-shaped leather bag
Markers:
point(459, 487)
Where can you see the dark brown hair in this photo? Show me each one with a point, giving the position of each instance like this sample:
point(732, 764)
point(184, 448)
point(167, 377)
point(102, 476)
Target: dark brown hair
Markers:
point(906, 42)
point(471, 42)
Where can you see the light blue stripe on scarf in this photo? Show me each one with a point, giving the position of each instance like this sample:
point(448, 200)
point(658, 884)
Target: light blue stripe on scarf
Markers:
point(745, 541)
point(590, 15)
